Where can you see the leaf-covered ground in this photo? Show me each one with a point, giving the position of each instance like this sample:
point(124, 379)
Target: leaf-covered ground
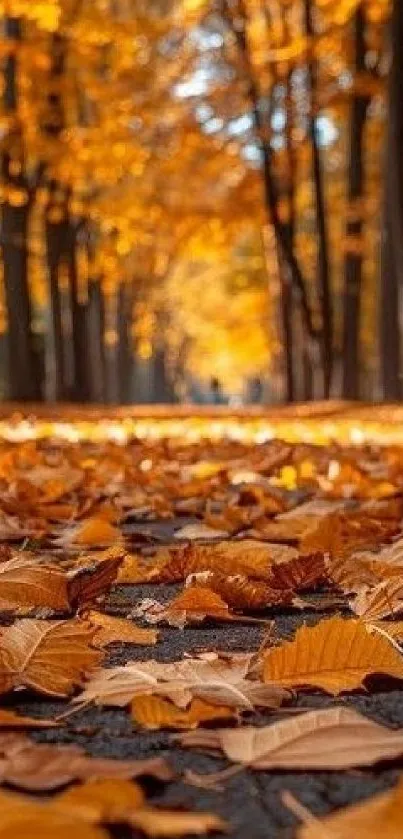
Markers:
point(130, 504)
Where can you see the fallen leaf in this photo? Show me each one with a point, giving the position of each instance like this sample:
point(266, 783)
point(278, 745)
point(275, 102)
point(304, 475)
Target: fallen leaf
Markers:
point(109, 630)
point(171, 823)
point(33, 820)
point(216, 681)
point(330, 738)
point(26, 583)
point(50, 657)
point(340, 534)
point(392, 628)
point(193, 605)
point(199, 531)
point(92, 532)
point(381, 601)
point(248, 558)
point(94, 579)
point(377, 816)
point(40, 767)
point(136, 569)
point(240, 592)
point(299, 574)
point(9, 719)
point(336, 655)
point(154, 712)
point(103, 801)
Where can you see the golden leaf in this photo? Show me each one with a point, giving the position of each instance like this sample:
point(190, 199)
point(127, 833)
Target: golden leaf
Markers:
point(153, 712)
point(90, 581)
point(249, 558)
point(381, 601)
point(340, 534)
point(109, 630)
point(330, 738)
point(101, 801)
point(335, 655)
point(172, 823)
point(9, 719)
point(26, 583)
point(50, 657)
point(241, 593)
point(299, 574)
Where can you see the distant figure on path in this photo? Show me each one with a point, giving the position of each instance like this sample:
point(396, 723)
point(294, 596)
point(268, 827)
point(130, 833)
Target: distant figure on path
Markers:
point(216, 395)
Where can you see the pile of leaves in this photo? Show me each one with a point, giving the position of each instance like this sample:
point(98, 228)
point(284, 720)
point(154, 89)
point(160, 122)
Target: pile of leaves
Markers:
point(107, 548)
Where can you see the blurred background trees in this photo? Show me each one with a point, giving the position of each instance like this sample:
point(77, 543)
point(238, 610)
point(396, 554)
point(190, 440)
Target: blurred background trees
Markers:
point(199, 187)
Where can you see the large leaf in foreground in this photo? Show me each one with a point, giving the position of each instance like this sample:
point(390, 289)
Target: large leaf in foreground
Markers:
point(333, 738)
point(335, 655)
point(51, 657)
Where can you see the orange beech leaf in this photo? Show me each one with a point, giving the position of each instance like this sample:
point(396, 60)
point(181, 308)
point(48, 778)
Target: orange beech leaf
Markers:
point(24, 583)
point(380, 815)
point(303, 572)
point(154, 712)
point(335, 655)
point(341, 534)
point(288, 531)
point(50, 657)
point(109, 630)
point(239, 592)
point(40, 767)
point(217, 681)
point(88, 582)
point(249, 558)
point(381, 601)
point(393, 629)
point(92, 532)
point(330, 738)
point(352, 574)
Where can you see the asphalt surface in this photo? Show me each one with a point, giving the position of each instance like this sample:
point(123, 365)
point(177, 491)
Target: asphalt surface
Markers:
point(250, 801)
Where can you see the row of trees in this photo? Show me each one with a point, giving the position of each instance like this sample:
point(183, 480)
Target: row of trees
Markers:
point(189, 183)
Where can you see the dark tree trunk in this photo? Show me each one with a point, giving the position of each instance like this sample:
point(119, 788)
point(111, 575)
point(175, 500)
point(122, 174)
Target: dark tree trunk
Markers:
point(23, 357)
point(95, 342)
point(324, 288)
point(353, 262)
point(125, 358)
point(80, 332)
point(55, 236)
point(392, 240)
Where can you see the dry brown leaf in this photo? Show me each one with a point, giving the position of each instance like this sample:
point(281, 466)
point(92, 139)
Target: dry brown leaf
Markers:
point(109, 630)
point(50, 657)
point(9, 719)
point(299, 574)
point(193, 605)
point(330, 738)
point(92, 532)
point(135, 569)
point(217, 681)
point(249, 558)
point(24, 583)
point(370, 819)
point(335, 655)
point(341, 534)
point(239, 592)
point(287, 531)
point(23, 817)
point(94, 579)
point(381, 601)
point(154, 712)
point(39, 767)
point(393, 629)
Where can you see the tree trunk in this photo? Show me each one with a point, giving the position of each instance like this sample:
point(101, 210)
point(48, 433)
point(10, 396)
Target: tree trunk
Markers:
point(392, 240)
point(95, 342)
point(353, 262)
point(323, 267)
point(125, 358)
point(81, 348)
point(23, 358)
point(55, 234)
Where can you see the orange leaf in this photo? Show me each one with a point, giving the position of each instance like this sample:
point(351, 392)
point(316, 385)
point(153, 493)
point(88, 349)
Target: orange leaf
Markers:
point(341, 534)
point(92, 532)
point(335, 655)
point(153, 712)
point(50, 657)
point(26, 583)
point(109, 630)
point(241, 593)
point(87, 583)
point(381, 601)
point(9, 719)
point(299, 574)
